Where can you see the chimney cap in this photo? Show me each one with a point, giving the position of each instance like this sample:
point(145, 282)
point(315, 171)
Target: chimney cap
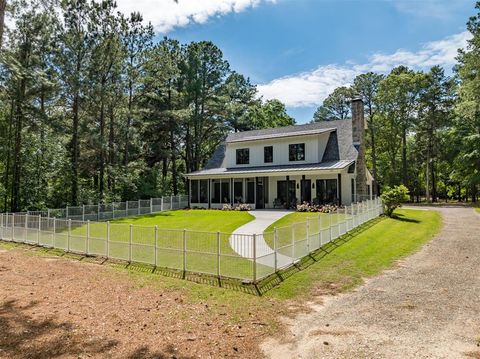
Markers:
point(357, 98)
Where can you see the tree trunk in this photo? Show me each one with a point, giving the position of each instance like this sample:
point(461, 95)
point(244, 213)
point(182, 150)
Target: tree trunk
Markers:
point(9, 151)
point(129, 123)
point(17, 154)
point(111, 149)
point(101, 172)
point(3, 5)
point(404, 157)
point(75, 148)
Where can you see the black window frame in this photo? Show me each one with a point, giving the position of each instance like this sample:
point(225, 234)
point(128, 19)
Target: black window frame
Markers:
point(242, 156)
point(268, 154)
point(294, 152)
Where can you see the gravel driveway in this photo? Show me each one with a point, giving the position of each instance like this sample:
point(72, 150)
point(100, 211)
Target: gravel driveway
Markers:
point(428, 307)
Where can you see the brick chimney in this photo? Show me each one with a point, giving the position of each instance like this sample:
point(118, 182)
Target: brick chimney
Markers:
point(358, 135)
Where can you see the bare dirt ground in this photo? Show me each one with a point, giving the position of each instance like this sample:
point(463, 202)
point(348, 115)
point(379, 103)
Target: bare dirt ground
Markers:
point(428, 307)
point(53, 307)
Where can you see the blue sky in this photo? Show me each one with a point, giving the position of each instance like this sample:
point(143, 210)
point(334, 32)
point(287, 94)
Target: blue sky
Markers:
point(299, 50)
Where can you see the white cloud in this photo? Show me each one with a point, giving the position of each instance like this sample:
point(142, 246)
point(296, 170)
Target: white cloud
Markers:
point(312, 87)
point(168, 14)
point(439, 9)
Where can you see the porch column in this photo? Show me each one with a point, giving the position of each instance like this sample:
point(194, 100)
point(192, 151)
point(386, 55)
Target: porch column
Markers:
point(189, 191)
point(339, 186)
point(288, 192)
point(231, 192)
point(209, 193)
point(302, 189)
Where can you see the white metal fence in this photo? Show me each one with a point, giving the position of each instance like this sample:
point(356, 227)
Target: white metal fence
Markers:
point(106, 211)
point(246, 257)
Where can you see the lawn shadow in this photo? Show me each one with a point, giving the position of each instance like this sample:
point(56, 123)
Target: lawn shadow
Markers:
point(26, 337)
point(401, 217)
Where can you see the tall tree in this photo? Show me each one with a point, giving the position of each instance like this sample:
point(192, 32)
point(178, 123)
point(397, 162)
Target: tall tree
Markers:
point(3, 6)
point(467, 110)
point(366, 85)
point(336, 106)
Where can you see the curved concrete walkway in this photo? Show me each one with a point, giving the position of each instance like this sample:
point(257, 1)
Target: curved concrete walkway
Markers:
point(241, 239)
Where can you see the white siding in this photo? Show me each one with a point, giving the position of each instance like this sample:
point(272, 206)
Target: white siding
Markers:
point(314, 149)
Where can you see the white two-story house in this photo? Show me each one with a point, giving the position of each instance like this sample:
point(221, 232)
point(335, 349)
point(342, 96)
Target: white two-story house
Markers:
point(320, 163)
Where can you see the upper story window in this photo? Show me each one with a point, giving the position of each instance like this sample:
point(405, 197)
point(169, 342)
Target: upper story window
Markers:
point(268, 154)
point(296, 152)
point(243, 156)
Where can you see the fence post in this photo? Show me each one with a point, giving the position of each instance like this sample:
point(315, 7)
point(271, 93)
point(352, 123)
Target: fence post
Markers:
point(25, 237)
point(66, 212)
point(275, 263)
point(330, 225)
point(54, 236)
point(113, 209)
point(83, 212)
point(130, 245)
point(171, 202)
point(254, 258)
point(319, 230)
point(87, 242)
point(1, 225)
point(139, 206)
point(48, 213)
point(126, 208)
point(218, 255)
point(13, 227)
point(308, 235)
point(156, 245)
point(161, 204)
point(184, 252)
point(293, 243)
point(69, 234)
point(39, 228)
point(108, 240)
point(151, 205)
point(179, 202)
point(98, 211)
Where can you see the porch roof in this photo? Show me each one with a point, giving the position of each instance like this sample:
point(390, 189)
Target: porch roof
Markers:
point(322, 166)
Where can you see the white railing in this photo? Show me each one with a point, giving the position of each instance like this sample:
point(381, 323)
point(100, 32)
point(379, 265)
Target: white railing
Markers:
point(106, 211)
point(246, 257)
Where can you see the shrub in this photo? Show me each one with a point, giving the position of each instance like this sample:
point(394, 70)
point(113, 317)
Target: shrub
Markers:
point(393, 198)
point(236, 207)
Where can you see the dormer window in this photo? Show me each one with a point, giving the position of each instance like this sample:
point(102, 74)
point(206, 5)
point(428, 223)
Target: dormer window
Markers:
point(243, 156)
point(268, 154)
point(296, 152)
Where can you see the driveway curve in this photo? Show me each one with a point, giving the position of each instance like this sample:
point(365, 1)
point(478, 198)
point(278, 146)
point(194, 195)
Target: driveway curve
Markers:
point(428, 307)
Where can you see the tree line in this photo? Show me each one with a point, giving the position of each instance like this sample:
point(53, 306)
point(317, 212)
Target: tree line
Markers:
point(423, 127)
point(92, 108)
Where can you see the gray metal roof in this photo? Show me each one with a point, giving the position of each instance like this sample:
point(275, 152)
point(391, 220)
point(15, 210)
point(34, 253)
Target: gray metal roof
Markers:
point(332, 165)
point(253, 136)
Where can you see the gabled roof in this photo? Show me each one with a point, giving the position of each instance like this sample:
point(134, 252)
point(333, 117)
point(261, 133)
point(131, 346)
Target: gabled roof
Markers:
point(339, 146)
point(279, 132)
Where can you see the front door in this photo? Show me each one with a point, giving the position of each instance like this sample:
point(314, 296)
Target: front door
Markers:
point(306, 190)
point(260, 200)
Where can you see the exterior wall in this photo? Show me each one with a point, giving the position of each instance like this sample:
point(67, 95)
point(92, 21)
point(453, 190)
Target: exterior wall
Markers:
point(314, 149)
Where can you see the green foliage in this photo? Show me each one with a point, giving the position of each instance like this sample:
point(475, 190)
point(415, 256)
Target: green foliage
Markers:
point(336, 106)
point(92, 110)
point(394, 197)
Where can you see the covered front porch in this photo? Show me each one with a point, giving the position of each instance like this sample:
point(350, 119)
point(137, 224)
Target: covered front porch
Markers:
point(273, 190)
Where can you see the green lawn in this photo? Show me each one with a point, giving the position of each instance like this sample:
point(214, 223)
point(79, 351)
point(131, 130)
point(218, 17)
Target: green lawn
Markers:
point(200, 238)
point(293, 229)
point(477, 209)
point(363, 255)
